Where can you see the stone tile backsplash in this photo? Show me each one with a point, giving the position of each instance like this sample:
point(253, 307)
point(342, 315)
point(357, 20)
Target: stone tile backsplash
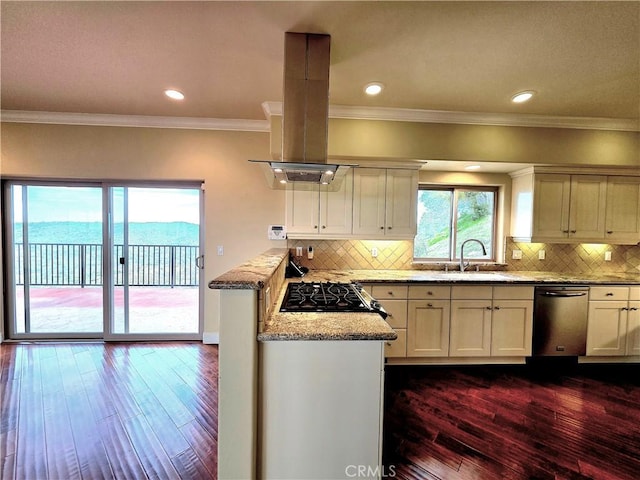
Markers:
point(570, 258)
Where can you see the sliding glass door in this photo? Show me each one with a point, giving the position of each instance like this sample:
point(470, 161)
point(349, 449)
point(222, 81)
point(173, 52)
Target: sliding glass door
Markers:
point(55, 250)
point(155, 261)
point(103, 261)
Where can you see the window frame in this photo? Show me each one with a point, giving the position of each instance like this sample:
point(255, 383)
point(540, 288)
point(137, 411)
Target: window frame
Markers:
point(455, 189)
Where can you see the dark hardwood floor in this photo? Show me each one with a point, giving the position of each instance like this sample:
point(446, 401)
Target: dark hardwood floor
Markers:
point(549, 421)
point(125, 411)
point(135, 411)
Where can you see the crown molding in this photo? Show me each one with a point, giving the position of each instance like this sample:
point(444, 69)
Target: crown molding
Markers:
point(335, 111)
point(468, 118)
point(108, 120)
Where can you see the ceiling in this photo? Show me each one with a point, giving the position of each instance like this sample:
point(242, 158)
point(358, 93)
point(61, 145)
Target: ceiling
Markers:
point(582, 58)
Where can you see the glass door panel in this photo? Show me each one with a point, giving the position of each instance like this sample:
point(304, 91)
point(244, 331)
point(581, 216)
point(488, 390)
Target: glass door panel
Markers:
point(156, 244)
point(56, 251)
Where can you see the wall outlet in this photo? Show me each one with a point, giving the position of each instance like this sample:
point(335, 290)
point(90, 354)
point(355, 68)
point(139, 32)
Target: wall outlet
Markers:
point(542, 255)
point(374, 252)
point(516, 255)
point(607, 256)
point(298, 251)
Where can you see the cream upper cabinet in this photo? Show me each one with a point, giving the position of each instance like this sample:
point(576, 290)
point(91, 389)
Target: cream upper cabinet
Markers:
point(384, 203)
point(623, 209)
point(315, 210)
point(567, 208)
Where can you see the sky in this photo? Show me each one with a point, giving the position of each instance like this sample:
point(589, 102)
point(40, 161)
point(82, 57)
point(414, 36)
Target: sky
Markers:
point(84, 204)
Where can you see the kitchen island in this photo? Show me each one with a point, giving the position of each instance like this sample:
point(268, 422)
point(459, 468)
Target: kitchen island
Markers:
point(293, 385)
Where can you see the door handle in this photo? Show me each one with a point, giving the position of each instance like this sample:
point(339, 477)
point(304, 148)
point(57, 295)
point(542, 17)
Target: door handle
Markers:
point(121, 260)
point(200, 262)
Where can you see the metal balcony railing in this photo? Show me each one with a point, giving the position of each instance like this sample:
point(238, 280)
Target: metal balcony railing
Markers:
point(58, 264)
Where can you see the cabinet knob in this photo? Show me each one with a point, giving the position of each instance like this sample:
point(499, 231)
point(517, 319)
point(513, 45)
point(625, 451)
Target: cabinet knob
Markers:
point(381, 228)
point(315, 227)
point(488, 308)
point(389, 228)
point(565, 231)
point(389, 344)
point(429, 305)
point(609, 232)
point(390, 315)
point(496, 308)
point(390, 293)
point(429, 292)
point(609, 294)
point(324, 226)
point(573, 231)
point(624, 309)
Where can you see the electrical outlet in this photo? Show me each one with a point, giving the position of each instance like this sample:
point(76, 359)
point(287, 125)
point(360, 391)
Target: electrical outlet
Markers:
point(220, 250)
point(542, 255)
point(516, 255)
point(298, 251)
point(374, 252)
point(607, 256)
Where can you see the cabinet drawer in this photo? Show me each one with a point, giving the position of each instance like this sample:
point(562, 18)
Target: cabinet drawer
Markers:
point(476, 292)
point(398, 347)
point(609, 293)
point(426, 292)
point(634, 293)
point(391, 290)
point(512, 293)
point(397, 310)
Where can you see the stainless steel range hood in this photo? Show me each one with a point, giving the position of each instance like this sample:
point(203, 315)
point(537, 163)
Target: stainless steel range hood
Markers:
point(305, 115)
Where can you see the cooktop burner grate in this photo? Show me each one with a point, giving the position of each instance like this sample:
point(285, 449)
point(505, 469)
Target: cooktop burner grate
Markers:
point(323, 297)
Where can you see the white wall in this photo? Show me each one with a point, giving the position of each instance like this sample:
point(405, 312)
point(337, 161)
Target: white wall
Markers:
point(238, 204)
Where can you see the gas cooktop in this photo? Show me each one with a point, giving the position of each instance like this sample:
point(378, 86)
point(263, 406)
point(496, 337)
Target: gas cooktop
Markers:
point(328, 297)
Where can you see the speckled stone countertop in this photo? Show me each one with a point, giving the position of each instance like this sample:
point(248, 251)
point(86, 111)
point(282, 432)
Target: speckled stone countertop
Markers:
point(417, 276)
point(323, 325)
point(251, 275)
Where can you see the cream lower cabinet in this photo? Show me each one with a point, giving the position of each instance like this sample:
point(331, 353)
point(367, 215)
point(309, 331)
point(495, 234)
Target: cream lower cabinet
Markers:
point(491, 321)
point(393, 298)
point(428, 328)
point(613, 327)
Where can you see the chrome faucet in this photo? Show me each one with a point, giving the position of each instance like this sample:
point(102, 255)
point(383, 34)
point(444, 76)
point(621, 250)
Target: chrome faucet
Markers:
point(462, 263)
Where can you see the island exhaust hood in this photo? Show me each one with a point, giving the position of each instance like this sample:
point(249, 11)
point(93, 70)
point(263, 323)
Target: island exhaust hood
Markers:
point(305, 115)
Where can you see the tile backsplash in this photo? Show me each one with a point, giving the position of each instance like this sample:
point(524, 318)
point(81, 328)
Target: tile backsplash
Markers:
point(570, 258)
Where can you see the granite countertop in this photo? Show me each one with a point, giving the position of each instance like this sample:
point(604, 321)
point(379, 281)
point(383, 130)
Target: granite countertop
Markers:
point(251, 275)
point(323, 325)
point(418, 276)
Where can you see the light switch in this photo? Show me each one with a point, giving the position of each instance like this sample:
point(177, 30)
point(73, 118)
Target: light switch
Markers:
point(607, 256)
point(220, 250)
point(542, 255)
point(374, 252)
point(517, 255)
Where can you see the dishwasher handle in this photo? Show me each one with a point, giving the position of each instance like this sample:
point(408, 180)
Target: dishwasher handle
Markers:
point(563, 294)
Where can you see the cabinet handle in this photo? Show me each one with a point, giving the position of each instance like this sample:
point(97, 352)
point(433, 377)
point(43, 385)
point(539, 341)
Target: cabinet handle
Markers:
point(624, 309)
point(565, 231)
point(389, 315)
point(633, 308)
point(609, 294)
point(389, 344)
point(609, 232)
point(429, 293)
point(573, 231)
point(496, 308)
point(488, 308)
point(390, 293)
point(429, 305)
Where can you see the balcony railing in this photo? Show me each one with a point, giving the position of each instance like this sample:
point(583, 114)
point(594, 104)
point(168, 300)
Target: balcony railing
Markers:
point(57, 264)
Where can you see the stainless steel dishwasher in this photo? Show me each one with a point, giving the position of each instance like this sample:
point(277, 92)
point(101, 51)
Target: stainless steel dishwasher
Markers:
point(560, 320)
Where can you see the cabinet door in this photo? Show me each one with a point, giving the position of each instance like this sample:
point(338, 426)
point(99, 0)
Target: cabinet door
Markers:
point(302, 212)
point(397, 348)
point(336, 208)
point(401, 202)
point(551, 205)
point(470, 334)
point(633, 329)
point(369, 201)
point(396, 311)
point(607, 328)
point(622, 222)
point(511, 328)
point(428, 328)
point(587, 206)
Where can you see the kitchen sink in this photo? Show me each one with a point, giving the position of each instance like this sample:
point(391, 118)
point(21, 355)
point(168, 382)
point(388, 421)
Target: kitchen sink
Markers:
point(480, 276)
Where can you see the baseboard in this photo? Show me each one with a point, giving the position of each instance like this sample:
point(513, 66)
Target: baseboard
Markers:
point(211, 338)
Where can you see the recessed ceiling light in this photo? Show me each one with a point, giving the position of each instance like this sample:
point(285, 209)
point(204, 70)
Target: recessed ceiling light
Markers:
point(472, 167)
point(373, 88)
point(174, 94)
point(522, 97)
